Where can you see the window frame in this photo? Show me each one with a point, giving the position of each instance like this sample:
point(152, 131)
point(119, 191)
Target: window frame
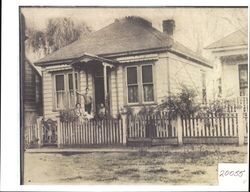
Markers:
point(140, 84)
point(66, 88)
point(132, 66)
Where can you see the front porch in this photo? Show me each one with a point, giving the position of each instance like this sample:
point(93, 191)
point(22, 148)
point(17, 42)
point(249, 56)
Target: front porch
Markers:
point(90, 73)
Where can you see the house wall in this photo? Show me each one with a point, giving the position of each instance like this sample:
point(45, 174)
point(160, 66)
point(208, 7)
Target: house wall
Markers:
point(161, 77)
point(48, 96)
point(116, 90)
point(180, 71)
point(230, 79)
point(188, 73)
point(48, 89)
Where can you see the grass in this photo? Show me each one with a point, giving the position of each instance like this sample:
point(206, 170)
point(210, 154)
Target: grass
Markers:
point(158, 165)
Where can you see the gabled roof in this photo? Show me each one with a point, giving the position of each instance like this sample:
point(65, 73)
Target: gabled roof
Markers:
point(236, 38)
point(127, 35)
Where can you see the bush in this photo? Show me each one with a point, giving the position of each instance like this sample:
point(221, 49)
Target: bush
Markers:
point(182, 103)
point(67, 116)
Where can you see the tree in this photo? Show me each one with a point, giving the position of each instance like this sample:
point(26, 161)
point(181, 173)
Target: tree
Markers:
point(58, 33)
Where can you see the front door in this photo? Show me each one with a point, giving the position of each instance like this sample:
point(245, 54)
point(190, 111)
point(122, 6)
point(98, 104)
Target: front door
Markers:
point(99, 86)
point(99, 92)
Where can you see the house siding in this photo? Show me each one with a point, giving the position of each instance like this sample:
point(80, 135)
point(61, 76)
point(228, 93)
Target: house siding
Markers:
point(161, 77)
point(113, 93)
point(188, 73)
point(48, 96)
point(230, 80)
point(120, 87)
point(31, 94)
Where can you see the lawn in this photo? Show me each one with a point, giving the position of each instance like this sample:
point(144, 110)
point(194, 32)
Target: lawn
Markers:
point(158, 165)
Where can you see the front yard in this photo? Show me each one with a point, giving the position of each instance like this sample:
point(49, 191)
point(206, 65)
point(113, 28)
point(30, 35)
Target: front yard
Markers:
point(157, 165)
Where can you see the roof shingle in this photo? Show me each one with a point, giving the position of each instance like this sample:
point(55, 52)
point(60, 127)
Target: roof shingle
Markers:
point(236, 38)
point(125, 35)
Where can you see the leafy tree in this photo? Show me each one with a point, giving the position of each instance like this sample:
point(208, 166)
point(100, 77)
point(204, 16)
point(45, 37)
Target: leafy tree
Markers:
point(58, 33)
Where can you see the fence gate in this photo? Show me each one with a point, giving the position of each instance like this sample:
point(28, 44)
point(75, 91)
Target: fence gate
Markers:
point(151, 129)
point(49, 133)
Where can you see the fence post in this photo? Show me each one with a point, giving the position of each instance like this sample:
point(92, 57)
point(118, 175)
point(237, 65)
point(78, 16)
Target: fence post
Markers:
point(241, 126)
point(179, 130)
point(59, 135)
point(39, 130)
point(124, 130)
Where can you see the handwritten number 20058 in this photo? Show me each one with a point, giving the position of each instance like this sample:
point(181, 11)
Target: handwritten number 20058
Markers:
point(224, 173)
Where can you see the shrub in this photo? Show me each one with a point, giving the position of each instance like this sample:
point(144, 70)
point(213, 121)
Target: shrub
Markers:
point(182, 103)
point(67, 115)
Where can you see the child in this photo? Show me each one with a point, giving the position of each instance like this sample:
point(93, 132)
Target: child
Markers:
point(79, 112)
point(101, 111)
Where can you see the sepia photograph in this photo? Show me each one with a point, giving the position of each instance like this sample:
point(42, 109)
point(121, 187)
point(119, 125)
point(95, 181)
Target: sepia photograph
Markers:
point(132, 95)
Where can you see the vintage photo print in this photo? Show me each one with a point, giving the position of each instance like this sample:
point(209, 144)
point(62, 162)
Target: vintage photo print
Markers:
point(134, 95)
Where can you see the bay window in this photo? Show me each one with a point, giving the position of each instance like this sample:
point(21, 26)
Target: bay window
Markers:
point(140, 85)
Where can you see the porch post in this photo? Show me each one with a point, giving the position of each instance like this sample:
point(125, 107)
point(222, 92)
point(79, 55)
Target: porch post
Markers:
point(74, 85)
point(105, 85)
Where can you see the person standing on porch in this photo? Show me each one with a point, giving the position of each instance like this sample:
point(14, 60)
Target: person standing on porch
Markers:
point(87, 101)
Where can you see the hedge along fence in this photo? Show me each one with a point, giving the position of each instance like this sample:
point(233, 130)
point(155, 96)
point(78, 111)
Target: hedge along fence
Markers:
point(91, 132)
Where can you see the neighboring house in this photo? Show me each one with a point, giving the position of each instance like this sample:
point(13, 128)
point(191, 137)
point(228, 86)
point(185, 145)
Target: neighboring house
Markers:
point(231, 55)
point(127, 63)
point(31, 84)
point(32, 93)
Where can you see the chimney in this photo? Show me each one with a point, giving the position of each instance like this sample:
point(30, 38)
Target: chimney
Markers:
point(168, 26)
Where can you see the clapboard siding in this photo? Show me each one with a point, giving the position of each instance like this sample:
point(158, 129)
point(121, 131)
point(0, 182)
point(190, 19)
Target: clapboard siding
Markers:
point(82, 84)
point(31, 93)
point(48, 96)
point(183, 71)
point(161, 78)
point(29, 87)
point(120, 85)
point(113, 90)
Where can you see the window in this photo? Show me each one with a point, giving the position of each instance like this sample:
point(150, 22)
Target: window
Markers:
point(132, 85)
point(140, 84)
point(147, 83)
point(243, 76)
point(64, 92)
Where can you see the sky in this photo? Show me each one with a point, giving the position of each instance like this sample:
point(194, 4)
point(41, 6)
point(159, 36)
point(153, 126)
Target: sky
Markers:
point(195, 27)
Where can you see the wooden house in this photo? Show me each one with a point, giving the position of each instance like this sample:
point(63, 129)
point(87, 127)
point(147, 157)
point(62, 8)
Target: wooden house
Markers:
point(31, 84)
point(128, 63)
point(231, 54)
point(32, 93)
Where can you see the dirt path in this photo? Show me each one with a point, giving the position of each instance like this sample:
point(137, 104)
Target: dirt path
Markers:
point(161, 165)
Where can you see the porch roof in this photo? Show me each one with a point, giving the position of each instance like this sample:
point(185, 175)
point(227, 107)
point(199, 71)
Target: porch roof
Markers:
point(86, 57)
